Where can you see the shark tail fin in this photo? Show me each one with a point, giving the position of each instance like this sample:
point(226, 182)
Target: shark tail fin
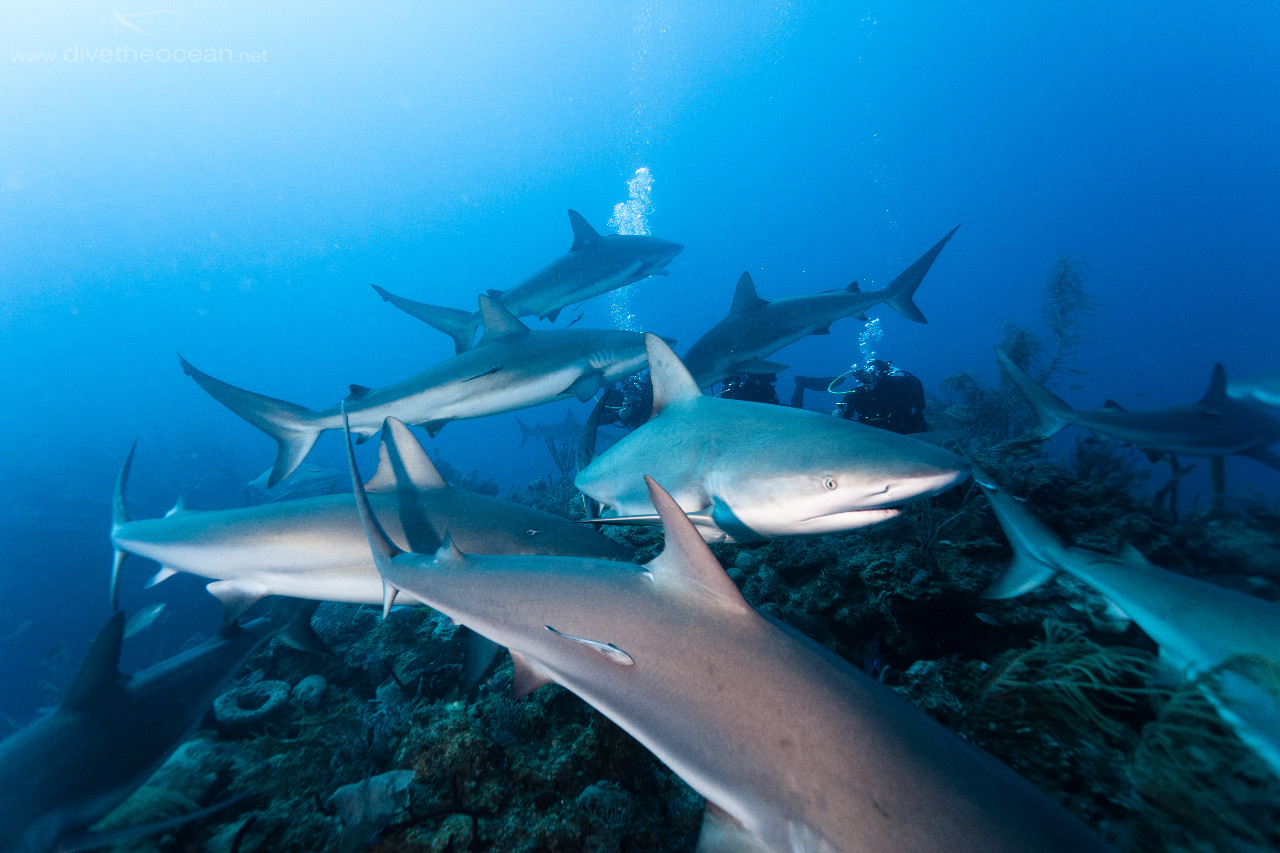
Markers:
point(898, 295)
point(119, 516)
point(1052, 412)
point(100, 669)
point(292, 426)
point(384, 550)
point(525, 432)
point(457, 324)
point(1032, 542)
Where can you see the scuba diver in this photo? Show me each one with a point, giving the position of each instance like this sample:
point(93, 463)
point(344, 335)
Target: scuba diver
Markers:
point(752, 387)
point(886, 397)
point(627, 404)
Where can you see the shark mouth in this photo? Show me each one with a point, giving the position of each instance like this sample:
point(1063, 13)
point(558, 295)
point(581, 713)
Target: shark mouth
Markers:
point(848, 520)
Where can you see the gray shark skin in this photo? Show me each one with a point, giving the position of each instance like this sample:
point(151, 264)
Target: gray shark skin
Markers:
point(1215, 426)
point(794, 748)
point(1263, 389)
point(595, 264)
point(1198, 626)
point(314, 548)
point(511, 368)
point(746, 472)
point(756, 328)
point(64, 772)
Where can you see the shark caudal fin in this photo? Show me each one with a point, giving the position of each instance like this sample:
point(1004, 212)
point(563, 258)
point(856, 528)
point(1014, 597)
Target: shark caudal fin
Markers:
point(1037, 550)
point(290, 425)
point(119, 516)
point(384, 550)
point(1052, 413)
point(898, 295)
point(457, 324)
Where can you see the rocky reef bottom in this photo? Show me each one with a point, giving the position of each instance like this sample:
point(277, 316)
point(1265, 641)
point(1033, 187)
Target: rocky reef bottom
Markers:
point(377, 749)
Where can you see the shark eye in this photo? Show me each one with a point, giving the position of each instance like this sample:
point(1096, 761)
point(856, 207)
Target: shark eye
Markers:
point(829, 483)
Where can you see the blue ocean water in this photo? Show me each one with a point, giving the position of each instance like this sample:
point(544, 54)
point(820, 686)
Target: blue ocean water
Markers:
point(236, 210)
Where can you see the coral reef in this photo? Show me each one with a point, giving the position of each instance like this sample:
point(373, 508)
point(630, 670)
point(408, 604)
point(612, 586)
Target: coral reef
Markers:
point(1049, 683)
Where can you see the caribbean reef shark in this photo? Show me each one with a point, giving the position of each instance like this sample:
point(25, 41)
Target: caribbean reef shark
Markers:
point(757, 328)
point(511, 368)
point(315, 548)
point(595, 264)
point(64, 772)
point(794, 749)
point(751, 471)
point(1216, 426)
point(1198, 626)
point(566, 430)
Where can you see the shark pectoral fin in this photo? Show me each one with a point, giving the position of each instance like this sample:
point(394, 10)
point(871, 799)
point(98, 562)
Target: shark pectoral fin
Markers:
point(161, 576)
point(585, 387)
point(237, 596)
point(609, 650)
point(1023, 575)
point(296, 632)
point(721, 833)
point(433, 427)
point(389, 593)
point(1265, 456)
point(526, 676)
point(476, 659)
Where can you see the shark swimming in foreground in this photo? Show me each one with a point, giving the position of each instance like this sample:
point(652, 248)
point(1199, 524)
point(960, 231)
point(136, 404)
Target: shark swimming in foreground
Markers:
point(595, 264)
point(1198, 626)
point(757, 328)
point(750, 471)
point(1216, 426)
point(314, 548)
point(795, 750)
point(64, 772)
point(511, 368)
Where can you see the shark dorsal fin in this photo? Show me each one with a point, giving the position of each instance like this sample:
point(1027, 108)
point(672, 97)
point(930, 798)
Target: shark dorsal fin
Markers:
point(1113, 406)
point(402, 460)
point(672, 382)
point(583, 233)
point(852, 287)
point(687, 557)
point(101, 667)
point(356, 392)
point(1217, 393)
point(178, 506)
point(498, 322)
point(744, 296)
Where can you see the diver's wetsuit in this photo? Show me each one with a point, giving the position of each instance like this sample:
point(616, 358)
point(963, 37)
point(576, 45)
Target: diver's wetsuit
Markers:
point(753, 387)
point(894, 401)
